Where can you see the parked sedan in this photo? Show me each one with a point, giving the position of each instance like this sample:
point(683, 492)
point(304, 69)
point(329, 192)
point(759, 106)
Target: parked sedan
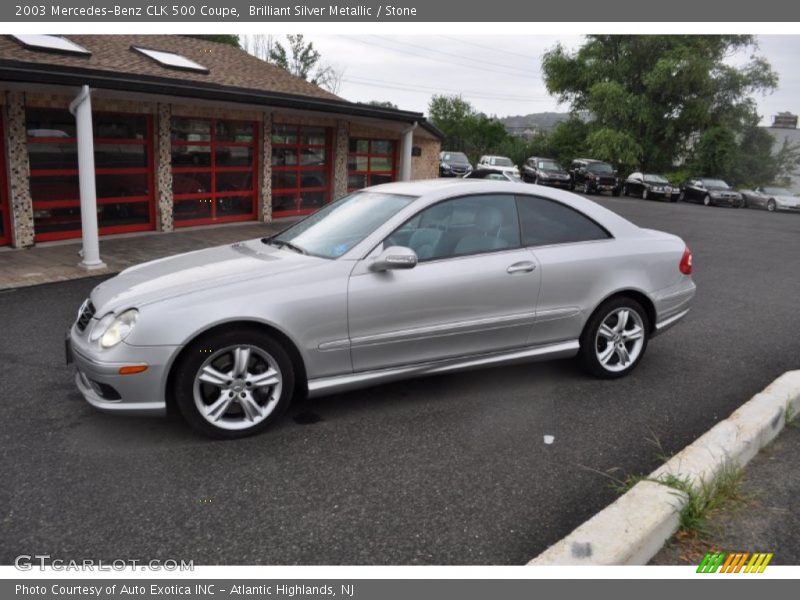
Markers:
point(771, 198)
point(711, 192)
point(394, 281)
point(649, 186)
point(545, 171)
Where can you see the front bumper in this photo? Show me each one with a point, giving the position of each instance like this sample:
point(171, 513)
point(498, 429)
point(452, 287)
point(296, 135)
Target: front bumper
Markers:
point(97, 376)
point(557, 183)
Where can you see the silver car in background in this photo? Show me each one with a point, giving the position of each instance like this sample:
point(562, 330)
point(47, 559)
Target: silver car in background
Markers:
point(771, 198)
point(394, 281)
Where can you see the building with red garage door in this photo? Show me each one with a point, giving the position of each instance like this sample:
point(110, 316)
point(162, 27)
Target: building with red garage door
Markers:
point(186, 132)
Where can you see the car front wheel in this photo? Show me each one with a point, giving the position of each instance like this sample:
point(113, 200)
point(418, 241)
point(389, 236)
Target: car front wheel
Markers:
point(615, 338)
point(234, 383)
point(771, 206)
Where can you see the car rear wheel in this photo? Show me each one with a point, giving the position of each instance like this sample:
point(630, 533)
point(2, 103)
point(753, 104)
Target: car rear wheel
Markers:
point(615, 338)
point(234, 384)
point(771, 205)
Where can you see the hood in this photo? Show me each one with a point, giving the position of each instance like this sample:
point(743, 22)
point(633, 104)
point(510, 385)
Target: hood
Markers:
point(555, 171)
point(184, 273)
point(456, 163)
point(791, 200)
point(504, 169)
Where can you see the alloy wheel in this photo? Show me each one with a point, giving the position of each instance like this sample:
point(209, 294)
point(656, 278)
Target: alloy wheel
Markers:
point(620, 339)
point(237, 387)
point(771, 206)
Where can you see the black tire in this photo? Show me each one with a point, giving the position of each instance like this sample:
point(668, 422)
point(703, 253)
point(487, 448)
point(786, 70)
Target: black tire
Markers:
point(681, 197)
point(707, 200)
point(616, 192)
point(198, 352)
point(771, 205)
point(587, 355)
point(625, 190)
point(644, 193)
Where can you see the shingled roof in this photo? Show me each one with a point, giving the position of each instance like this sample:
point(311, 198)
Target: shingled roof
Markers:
point(227, 65)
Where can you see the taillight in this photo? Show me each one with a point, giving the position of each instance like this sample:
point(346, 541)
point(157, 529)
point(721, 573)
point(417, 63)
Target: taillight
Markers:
point(686, 262)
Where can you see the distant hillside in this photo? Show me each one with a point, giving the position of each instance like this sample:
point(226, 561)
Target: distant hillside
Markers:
point(538, 121)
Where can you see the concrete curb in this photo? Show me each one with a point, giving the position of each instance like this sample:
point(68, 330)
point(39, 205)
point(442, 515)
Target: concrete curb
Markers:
point(635, 527)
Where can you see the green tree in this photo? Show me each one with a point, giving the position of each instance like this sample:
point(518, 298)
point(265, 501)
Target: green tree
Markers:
point(302, 60)
point(465, 129)
point(648, 97)
point(222, 38)
point(716, 153)
point(382, 104)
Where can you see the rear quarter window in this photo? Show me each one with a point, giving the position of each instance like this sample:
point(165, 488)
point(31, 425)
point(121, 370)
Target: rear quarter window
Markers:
point(545, 222)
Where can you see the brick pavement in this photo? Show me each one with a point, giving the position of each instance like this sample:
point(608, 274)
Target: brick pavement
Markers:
point(58, 261)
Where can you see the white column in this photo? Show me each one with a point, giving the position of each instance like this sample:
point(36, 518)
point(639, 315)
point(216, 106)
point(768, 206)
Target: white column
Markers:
point(406, 143)
point(81, 108)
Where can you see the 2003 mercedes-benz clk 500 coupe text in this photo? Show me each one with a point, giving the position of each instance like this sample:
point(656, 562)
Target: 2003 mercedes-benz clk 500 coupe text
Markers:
point(390, 282)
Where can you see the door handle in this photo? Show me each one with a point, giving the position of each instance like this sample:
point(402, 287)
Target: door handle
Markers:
point(521, 267)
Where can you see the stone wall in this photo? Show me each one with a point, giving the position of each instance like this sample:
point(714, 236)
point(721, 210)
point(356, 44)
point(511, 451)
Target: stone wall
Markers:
point(340, 151)
point(19, 200)
point(426, 166)
point(266, 168)
point(163, 168)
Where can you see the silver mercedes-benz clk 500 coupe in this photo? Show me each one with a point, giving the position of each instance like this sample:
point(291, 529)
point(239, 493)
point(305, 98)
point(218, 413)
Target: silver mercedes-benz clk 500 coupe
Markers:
point(394, 281)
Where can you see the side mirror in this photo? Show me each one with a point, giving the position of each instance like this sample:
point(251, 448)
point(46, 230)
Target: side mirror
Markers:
point(395, 257)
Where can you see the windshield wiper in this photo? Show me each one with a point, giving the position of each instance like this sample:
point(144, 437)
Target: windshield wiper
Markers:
point(283, 244)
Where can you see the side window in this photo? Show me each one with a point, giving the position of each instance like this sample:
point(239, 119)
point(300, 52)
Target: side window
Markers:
point(548, 222)
point(462, 226)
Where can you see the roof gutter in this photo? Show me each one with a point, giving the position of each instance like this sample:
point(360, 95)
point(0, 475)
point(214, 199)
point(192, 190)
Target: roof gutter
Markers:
point(25, 72)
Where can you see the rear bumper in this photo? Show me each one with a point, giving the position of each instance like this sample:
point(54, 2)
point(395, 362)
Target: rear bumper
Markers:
point(673, 304)
point(99, 381)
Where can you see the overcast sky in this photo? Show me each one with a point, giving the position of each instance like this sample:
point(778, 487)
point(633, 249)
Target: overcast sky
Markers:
point(499, 75)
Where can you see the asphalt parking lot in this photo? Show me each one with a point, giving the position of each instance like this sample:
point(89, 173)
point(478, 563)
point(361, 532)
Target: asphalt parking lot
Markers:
point(443, 470)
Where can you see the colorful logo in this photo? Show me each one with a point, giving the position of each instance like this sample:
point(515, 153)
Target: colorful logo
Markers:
point(734, 562)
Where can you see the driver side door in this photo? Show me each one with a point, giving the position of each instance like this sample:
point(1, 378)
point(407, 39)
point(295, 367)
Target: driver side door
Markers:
point(473, 291)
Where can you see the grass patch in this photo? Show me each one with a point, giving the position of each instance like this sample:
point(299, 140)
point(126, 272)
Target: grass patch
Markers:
point(790, 418)
point(707, 498)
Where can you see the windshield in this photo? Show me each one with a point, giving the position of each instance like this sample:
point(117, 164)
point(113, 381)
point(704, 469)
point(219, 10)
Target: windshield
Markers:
point(773, 191)
point(599, 168)
point(549, 165)
point(334, 229)
point(501, 161)
point(655, 179)
point(715, 183)
point(455, 157)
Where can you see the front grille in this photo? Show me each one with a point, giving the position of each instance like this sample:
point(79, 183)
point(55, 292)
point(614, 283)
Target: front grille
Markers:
point(607, 181)
point(85, 315)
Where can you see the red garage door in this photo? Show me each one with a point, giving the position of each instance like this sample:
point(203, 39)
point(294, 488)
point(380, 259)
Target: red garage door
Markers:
point(214, 172)
point(301, 169)
point(370, 162)
point(123, 156)
point(5, 220)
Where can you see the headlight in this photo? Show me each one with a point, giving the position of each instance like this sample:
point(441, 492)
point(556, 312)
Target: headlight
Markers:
point(112, 330)
point(445, 166)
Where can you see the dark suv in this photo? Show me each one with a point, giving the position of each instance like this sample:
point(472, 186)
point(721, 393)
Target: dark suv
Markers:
point(545, 171)
point(594, 177)
point(453, 164)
